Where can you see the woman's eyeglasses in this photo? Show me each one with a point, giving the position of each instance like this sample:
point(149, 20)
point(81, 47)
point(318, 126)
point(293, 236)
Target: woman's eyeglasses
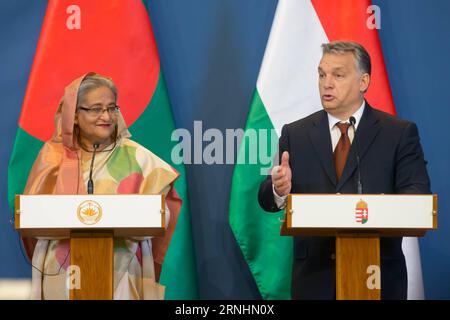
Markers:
point(97, 111)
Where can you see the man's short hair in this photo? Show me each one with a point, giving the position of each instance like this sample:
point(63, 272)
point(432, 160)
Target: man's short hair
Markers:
point(361, 55)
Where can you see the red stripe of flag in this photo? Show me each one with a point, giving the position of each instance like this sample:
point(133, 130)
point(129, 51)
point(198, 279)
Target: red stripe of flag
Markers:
point(347, 20)
point(115, 39)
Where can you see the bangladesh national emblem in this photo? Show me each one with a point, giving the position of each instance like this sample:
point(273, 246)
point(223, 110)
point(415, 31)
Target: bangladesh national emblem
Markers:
point(89, 212)
point(361, 212)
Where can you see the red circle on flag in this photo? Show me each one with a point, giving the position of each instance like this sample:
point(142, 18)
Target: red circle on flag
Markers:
point(112, 38)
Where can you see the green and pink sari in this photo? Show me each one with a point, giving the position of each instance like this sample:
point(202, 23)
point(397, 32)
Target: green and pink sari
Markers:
point(125, 167)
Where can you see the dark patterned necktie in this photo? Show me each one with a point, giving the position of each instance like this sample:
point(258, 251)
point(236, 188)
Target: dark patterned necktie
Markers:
point(342, 149)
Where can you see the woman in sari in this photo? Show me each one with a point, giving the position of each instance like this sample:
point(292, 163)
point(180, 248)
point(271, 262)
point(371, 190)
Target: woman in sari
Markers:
point(88, 115)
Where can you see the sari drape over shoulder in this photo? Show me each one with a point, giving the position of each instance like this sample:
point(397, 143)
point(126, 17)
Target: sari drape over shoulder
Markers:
point(124, 167)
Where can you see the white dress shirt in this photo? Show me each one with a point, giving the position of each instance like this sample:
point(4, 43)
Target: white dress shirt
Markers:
point(335, 134)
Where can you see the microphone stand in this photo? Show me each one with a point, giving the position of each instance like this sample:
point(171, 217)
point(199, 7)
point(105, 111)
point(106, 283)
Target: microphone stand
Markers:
point(359, 183)
point(90, 184)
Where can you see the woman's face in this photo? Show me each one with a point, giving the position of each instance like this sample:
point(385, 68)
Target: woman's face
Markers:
point(97, 126)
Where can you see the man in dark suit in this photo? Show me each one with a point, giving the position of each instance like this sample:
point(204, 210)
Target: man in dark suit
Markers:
point(318, 156)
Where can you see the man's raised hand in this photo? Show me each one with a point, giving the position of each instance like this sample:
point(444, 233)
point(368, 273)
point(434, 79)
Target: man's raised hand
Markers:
point(282, 176)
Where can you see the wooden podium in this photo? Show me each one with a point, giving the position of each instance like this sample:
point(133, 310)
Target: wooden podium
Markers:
point(91, 222)
point(358, 221)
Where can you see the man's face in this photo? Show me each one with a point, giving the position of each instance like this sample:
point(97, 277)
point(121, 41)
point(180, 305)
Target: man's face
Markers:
point(341, 84)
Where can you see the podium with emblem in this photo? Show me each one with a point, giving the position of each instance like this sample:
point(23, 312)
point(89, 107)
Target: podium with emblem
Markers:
point(358, 221)
point(91, 222)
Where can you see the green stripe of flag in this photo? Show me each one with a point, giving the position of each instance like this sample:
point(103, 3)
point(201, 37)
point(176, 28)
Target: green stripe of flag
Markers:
point(257, 232)
point(153, 129)
point(26, 149)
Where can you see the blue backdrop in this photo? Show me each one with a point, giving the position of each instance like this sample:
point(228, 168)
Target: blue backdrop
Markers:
point(211, 51)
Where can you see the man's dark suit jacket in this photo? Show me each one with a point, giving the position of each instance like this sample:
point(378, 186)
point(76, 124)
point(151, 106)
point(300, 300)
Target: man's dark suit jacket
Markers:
point(391, 162)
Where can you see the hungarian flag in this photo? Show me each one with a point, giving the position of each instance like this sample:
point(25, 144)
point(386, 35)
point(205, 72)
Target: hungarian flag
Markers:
point(113, 38)
point(287, 90)
point(361, 215)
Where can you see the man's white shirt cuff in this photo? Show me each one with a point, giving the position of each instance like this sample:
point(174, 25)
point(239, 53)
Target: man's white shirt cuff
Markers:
point(280, 201)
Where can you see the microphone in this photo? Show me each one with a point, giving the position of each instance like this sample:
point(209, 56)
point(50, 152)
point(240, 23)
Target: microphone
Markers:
point(90, 184)
point(359, 183)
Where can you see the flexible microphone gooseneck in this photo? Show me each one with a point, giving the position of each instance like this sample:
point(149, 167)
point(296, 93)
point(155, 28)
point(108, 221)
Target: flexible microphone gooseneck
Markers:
point(359, 182)
point(90, 184)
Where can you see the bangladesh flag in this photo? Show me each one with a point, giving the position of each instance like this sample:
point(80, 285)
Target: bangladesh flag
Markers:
point(113, 38)
point(287, 90)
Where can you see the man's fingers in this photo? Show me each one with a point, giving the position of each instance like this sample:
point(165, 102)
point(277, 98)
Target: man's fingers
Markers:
point(279, 174)
point(275, 171)
point(280, 183)
point(280, 179)
point(283, 190)
point(285, 159)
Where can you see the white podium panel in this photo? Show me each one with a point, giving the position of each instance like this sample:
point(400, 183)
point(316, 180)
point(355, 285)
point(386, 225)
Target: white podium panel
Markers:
point(58, 215)
point(340, 213)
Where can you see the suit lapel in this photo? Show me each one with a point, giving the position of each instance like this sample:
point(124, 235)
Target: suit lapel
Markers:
point(368, 129)
point(321, 141)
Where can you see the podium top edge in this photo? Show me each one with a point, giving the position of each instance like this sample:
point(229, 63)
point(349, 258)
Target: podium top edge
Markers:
point(88, 195)
point(360, 195)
